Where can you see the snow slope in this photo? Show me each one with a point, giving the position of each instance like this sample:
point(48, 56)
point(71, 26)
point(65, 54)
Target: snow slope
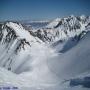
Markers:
point(74, 62)
point(53, 23)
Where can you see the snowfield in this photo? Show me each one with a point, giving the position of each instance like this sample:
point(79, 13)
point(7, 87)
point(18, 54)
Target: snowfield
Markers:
point(56, 57)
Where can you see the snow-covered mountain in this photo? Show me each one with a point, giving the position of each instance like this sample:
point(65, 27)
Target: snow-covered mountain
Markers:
point(64, 28)
point(55, 57)
point(15, 46)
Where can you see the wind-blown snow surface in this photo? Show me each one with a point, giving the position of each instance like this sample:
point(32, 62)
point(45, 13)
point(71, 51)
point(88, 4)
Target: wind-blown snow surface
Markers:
point(41, 66)
point(73, 62)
